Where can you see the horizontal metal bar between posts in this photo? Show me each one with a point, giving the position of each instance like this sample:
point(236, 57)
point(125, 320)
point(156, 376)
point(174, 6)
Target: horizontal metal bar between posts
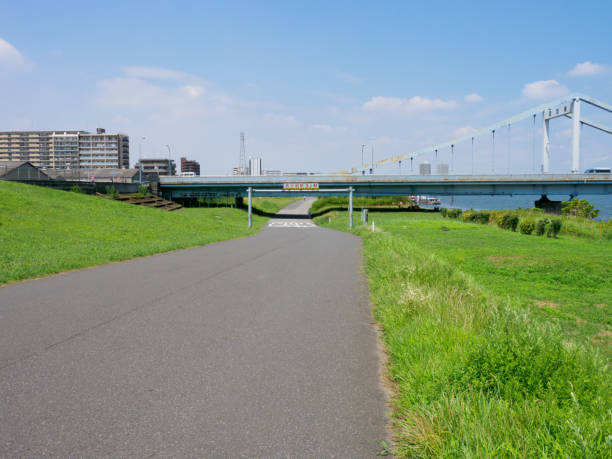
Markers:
point(281, 190)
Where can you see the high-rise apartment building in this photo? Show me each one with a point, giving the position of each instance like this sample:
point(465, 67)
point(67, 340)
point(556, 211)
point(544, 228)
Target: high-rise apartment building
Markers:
point(66, 149)
point(188, 165)
point(425, 168)
point(255, 166)
point(104, 150)
point(442, 169)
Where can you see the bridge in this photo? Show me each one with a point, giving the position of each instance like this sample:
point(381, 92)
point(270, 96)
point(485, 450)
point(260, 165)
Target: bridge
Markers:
point(355, 181)
point(191, 188)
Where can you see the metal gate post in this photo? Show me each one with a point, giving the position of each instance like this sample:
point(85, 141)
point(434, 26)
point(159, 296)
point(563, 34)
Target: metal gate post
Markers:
point(250, 190)
point(351, 207)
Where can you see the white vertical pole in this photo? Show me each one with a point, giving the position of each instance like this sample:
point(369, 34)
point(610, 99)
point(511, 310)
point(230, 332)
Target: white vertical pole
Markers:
point(545, 143)
point(250, 190)
point(576, 136)
point(351, 207)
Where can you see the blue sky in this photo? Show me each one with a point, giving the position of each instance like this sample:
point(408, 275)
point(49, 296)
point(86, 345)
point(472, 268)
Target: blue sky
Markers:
point(309, 82)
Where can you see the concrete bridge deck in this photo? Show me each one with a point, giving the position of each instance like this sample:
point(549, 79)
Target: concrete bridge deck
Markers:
point(389, 185)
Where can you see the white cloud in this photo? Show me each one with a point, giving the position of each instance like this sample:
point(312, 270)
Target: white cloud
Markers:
point(284, 121)
point(154, 73)
point(133, 93)
point(588, 69)
point(473, 97)
point(465, 130)
point(192, 91)
point(180, 101)
point(407, 106)
point(546, 89)
point(11, 58)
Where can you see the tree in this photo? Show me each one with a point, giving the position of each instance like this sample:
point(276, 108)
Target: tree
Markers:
point(579, 208)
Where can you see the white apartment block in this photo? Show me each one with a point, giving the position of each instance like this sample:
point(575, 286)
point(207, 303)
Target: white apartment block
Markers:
point(66, 149)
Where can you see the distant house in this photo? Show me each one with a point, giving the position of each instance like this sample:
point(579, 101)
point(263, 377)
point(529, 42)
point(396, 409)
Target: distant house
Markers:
point(21, 170)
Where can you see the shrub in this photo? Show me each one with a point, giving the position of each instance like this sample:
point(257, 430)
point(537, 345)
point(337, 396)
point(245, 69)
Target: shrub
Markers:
point(514, 221)
point(77, 189)
point(503, 222)
point(143, 191)
point(468, 215)
point(443, 211)
point(540, 228)
point(579, 208)
point(553, 228)
point(454, 213)
point(111, 191)
point(481, 217)
point(509, 222)
point(527, 226)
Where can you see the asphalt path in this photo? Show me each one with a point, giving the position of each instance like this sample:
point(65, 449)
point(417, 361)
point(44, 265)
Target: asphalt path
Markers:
point(261, 346)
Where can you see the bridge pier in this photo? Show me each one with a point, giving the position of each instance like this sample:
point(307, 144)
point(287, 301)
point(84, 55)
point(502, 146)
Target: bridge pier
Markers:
point(548, 206)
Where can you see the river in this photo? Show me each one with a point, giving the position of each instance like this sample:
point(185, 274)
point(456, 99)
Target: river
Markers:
point(601, 202)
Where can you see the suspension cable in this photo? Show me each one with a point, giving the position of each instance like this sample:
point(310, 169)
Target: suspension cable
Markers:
point(453, 158)
point(493, 155)
point(533, 130)
point(472, 155)
point(509, 149)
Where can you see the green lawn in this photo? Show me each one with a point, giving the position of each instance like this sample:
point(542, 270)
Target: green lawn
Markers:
point(499, 342)
point(45, 231)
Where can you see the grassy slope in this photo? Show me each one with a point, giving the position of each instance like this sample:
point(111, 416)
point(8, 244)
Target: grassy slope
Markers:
point(498, 341)
point(45, 231)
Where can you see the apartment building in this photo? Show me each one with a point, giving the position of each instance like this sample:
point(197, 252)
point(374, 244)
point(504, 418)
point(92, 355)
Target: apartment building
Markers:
point(157, 165)
point(66, 149)
point(255, 166)
point(104, 150)
point(188, 165)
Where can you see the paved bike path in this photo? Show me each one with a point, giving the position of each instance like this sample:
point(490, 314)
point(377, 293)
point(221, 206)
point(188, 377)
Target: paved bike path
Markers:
point(261, 346)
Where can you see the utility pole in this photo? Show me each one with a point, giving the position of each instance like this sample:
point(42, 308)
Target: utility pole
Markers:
point(169, 161)
point(142, 139)
point(372, 163)
point(242, 167)
point(362, 168)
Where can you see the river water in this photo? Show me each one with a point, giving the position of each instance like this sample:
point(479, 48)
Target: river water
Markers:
point(601, 202)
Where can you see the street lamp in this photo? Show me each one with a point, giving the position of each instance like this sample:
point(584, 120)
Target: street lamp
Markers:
point(142, 139)
point(169, 161)
point(362, 169)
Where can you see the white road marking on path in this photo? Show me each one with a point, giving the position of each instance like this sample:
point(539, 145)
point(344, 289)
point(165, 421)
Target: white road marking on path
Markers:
point(291, 225)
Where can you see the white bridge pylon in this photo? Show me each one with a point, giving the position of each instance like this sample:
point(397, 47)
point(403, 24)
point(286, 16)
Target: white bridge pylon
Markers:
point(568, 106)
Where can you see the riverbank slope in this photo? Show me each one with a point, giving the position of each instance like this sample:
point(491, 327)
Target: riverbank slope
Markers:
point(499, 342)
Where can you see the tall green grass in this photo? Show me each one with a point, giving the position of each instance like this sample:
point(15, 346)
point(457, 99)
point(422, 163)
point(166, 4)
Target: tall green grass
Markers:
point(571, 225)
point(478, 373)
point(45, 231)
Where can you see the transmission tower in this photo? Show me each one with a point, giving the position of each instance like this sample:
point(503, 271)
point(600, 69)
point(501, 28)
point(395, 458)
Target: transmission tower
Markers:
point(242, 167)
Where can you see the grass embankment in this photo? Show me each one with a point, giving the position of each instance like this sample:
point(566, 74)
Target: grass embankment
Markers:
point(272, 205)
point(45, 231)
point(499, 342)
point(340, 202)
